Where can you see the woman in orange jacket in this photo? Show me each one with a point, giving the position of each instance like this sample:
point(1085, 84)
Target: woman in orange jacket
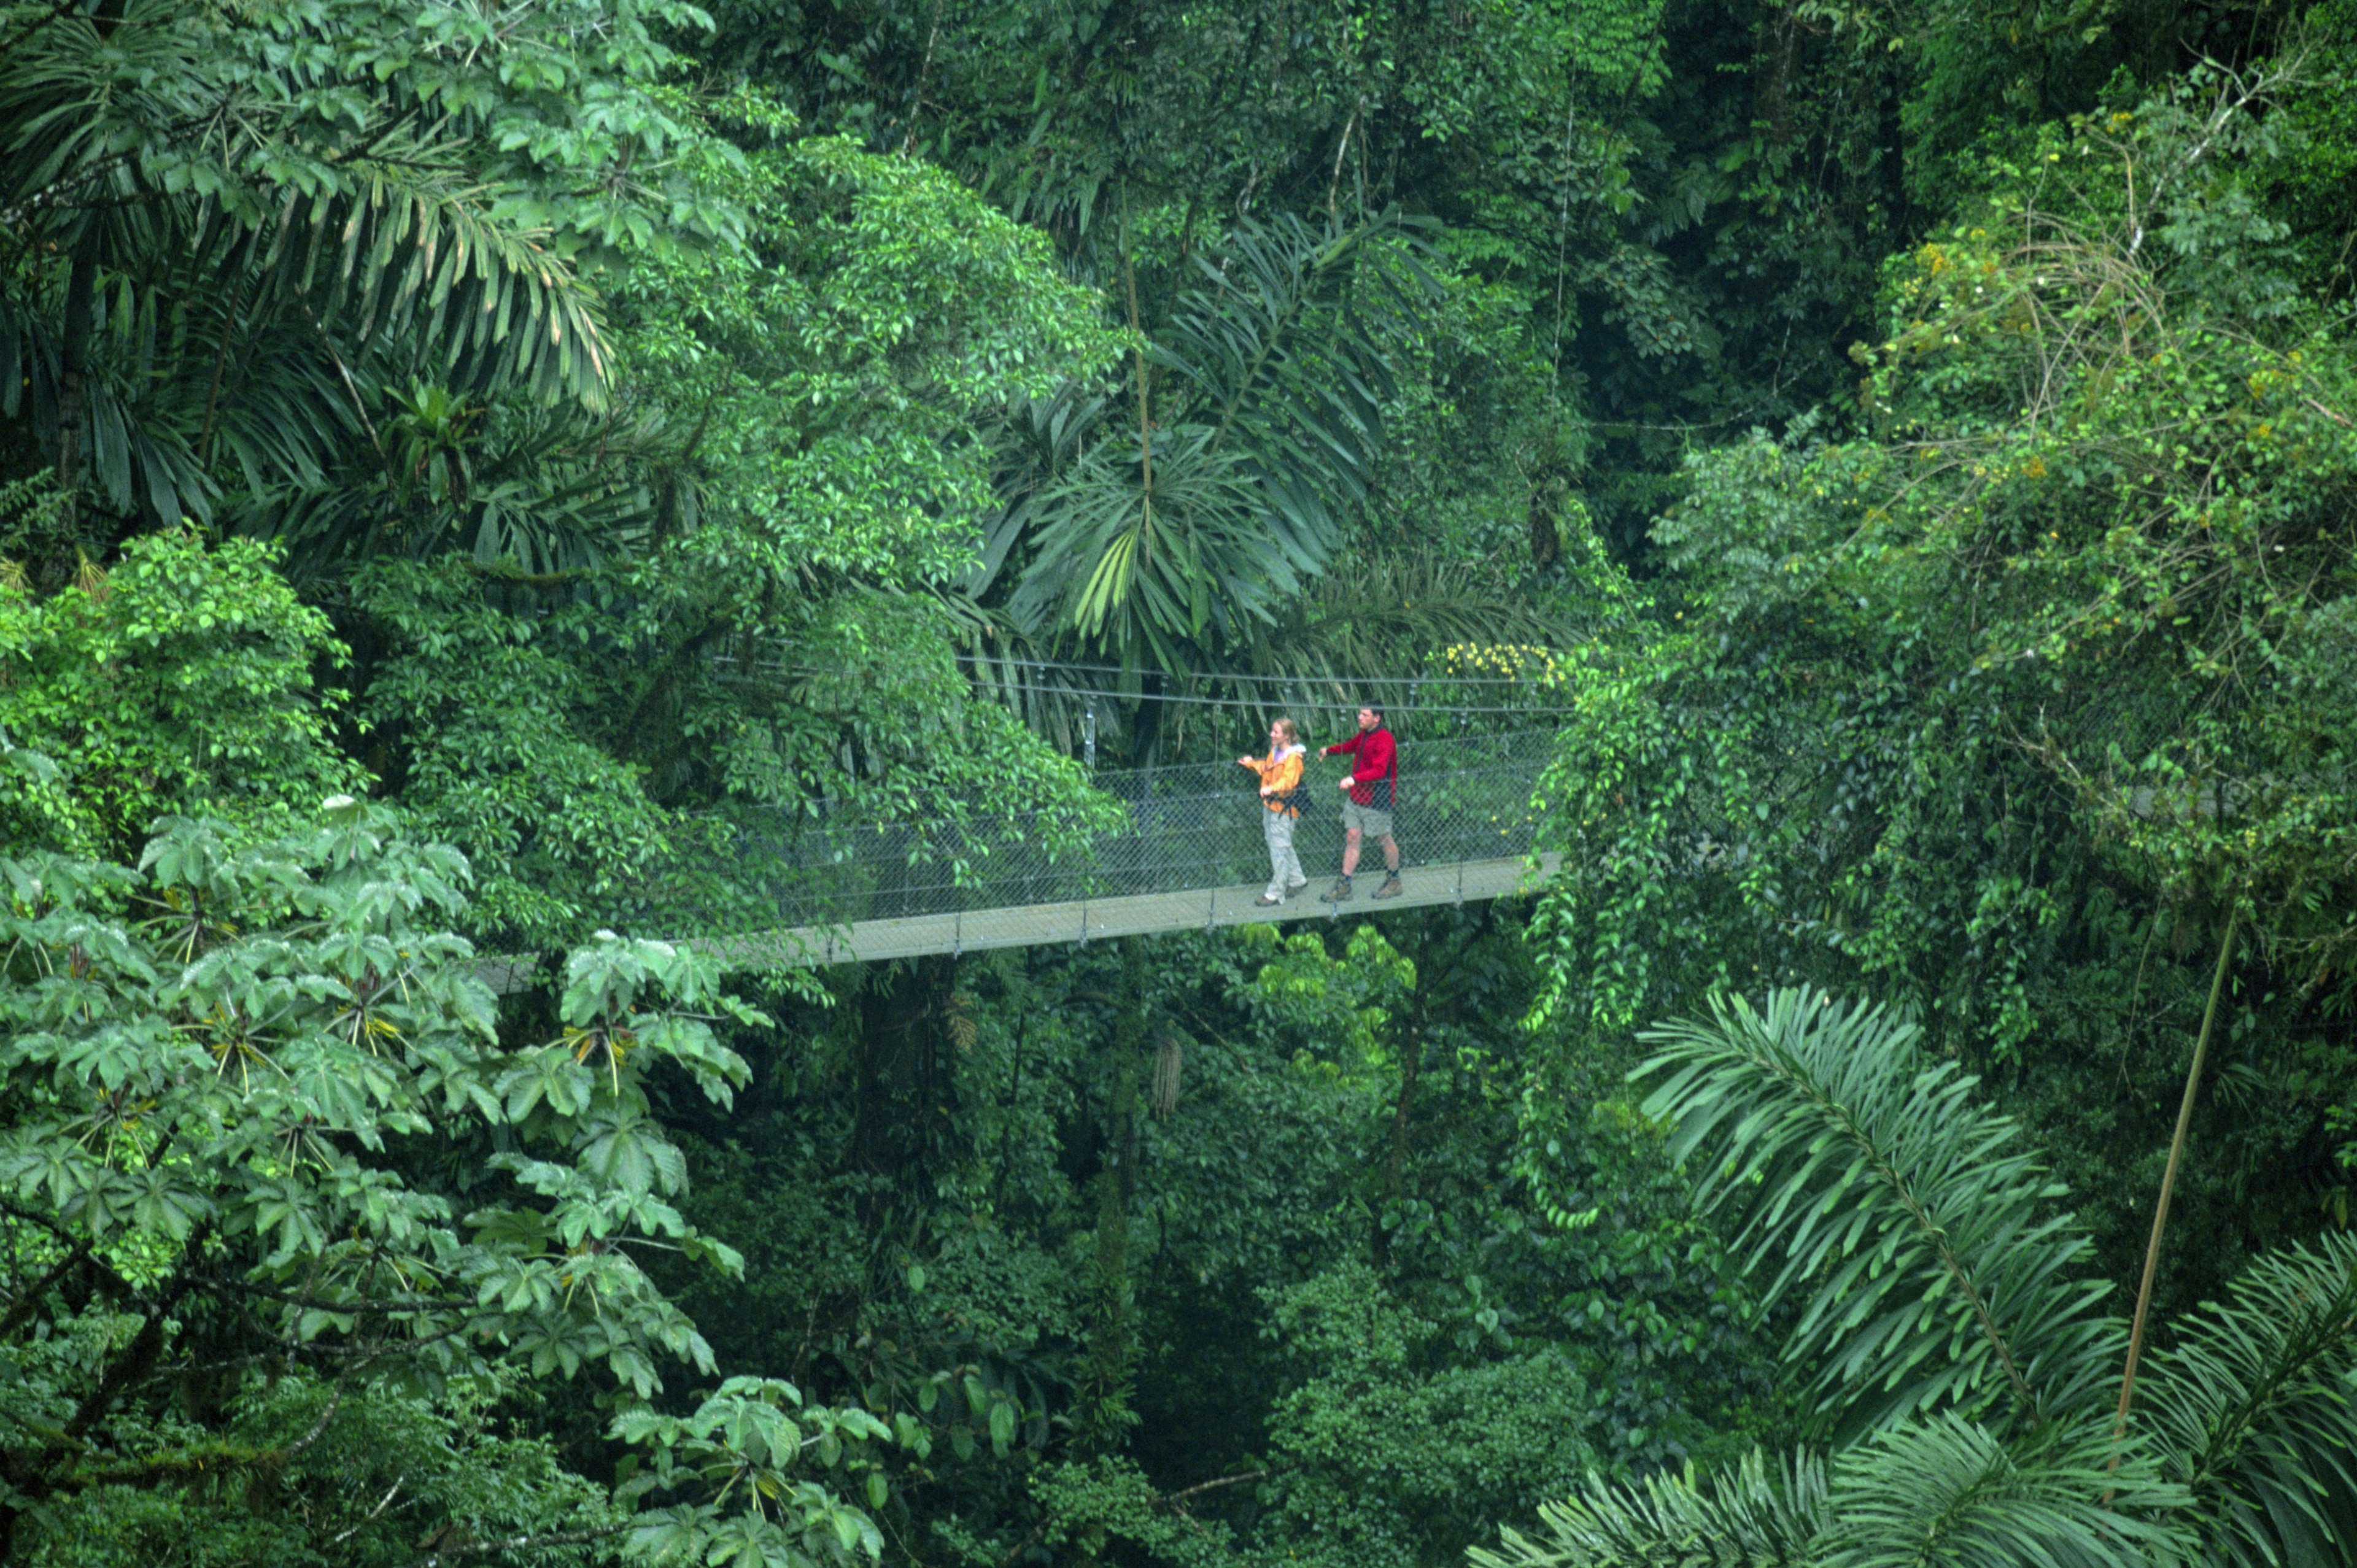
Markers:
point(1280, 792)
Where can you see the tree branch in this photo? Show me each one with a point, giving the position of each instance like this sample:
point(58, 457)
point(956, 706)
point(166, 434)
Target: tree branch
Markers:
point(29, 1302)
point(2169, 1176)
point(382, 1504)
point(1172, 1499)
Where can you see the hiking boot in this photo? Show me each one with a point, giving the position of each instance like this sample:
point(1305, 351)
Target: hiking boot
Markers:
point(1337, 893)
point(1391, 887)
point(1293, 889)
point(1267, 902)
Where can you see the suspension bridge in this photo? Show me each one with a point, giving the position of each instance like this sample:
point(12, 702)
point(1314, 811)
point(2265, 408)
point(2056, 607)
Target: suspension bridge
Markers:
point(1178, 848)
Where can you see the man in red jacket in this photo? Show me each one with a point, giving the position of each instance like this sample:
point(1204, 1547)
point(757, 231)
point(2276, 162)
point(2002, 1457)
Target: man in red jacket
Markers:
point(1371, 790)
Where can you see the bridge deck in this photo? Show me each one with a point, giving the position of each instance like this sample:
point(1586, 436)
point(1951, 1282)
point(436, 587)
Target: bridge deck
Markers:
point(1195, 910)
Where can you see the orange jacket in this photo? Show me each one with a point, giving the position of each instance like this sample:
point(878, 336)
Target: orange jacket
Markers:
point(1280, 776)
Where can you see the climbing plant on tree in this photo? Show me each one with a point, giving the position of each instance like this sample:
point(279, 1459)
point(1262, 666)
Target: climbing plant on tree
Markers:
point(2005, 705)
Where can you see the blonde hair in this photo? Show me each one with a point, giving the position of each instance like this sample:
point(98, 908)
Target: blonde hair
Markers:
point(1292, 731)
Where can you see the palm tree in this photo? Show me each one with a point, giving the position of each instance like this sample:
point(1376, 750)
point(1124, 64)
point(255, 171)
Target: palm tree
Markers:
point(1195, 517)
point(227, 232)
point(1956, 1360)
point(1159, 527)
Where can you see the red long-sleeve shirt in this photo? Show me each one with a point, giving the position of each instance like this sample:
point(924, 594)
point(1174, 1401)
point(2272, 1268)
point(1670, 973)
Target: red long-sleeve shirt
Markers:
point(1378, 756)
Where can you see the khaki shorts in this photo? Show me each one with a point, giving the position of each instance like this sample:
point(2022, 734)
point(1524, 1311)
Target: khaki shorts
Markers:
point(1371, 820)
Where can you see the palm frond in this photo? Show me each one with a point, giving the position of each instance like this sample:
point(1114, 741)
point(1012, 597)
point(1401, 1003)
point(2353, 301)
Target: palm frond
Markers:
point(1752, 1516)
point(416, 254)
point(512, 483)
point(1947, 1490)
point(2255, 1409)
point(137, 430)
point(1910, 1226)
point(142, 137)
point(1141, 544)
point(1044, 436)
point(1943, 1490)
point(1284, 348)
point(1134, 569)
point(1284, 354)
point(1933, 1316)
point(268, 241)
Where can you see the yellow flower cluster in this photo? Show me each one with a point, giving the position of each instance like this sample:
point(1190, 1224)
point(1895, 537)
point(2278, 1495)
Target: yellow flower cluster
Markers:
point(1510, 661)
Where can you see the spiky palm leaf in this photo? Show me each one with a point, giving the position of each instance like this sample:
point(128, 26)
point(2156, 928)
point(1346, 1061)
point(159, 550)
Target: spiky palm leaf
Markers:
point(1286, 349)
point(405, 254)
point(512, 484)
point(1754, 1516)
point(140, 457)
point(1909, 1226)
point(1152, 571)
point(1904, 1223)
point(1943, 1490)
point(1042, 438)
point(185, 153)
point(2256, 1411)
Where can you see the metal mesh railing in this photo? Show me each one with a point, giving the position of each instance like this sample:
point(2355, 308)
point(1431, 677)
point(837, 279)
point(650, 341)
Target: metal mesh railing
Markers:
point(1174, 829)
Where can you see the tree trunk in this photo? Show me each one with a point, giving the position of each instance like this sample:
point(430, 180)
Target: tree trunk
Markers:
point(899, 1093)
point(2169, 1176)
point(1411, 1053)
point(1107, 1405)
point(73, 373)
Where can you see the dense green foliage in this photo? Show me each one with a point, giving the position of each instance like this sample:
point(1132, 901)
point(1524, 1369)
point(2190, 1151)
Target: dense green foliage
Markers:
point(2016, 693)
point(480, 480)
point(260, 1118)
point(1959, 1367)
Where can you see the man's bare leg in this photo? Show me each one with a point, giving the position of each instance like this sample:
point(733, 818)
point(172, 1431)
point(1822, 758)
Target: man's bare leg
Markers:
point(1351, 851)
point(1391, 854)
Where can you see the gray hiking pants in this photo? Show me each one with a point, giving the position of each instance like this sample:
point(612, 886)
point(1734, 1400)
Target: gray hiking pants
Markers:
point(1284, 866)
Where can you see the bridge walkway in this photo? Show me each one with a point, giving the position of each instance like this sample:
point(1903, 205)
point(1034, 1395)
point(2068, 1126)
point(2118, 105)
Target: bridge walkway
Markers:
point(1091, 920)
point(1168, 849)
